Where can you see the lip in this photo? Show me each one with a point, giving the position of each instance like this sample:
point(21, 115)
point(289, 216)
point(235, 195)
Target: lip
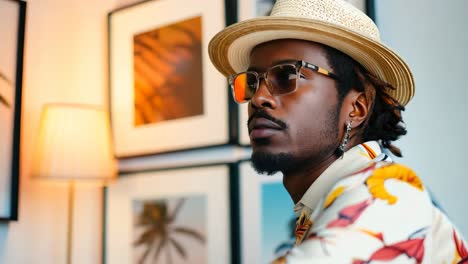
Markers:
point(263, 128)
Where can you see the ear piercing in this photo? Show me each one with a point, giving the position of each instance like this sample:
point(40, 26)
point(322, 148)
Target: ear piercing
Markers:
point(342, 147)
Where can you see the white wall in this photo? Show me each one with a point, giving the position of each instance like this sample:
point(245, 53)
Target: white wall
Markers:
point(432, 37)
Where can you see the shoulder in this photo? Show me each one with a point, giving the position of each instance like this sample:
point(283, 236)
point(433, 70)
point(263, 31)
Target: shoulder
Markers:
point(378, 178)
point(383, 196)
point(390, 181)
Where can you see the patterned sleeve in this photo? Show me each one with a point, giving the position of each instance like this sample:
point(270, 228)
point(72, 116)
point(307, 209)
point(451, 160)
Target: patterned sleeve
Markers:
point(382, 213)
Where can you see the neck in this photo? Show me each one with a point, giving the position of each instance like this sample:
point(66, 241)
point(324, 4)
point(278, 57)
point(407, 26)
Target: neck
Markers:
point(298, 181)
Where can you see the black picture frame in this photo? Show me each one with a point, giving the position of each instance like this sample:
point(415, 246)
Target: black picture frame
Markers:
point(11, 103)
point(151, 141)
point(131, 186)
point(370, 9)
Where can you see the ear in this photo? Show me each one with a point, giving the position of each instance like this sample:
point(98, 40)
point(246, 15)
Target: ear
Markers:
point(359, 108)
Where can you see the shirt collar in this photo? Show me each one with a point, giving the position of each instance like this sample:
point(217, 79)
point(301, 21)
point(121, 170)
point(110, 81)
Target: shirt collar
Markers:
point(353, 160)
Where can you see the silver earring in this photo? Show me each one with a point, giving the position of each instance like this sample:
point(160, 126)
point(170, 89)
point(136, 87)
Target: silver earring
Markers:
point(342, 147)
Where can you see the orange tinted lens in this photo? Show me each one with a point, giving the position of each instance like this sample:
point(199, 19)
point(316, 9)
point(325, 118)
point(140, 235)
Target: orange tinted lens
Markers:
point(240, 84)
point(244, 85)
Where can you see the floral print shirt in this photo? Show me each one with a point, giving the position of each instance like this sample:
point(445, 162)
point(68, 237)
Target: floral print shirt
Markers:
point(366, 209)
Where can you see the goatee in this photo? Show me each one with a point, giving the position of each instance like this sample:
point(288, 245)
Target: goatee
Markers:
point(268, 163)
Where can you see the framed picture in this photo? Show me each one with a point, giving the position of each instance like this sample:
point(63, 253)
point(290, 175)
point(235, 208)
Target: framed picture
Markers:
point(12, 25)
point(165, 95)
point(254, 8)
point(267, 219)
point(177, 216)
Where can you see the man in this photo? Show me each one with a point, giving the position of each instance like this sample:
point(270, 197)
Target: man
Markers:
point(325, 99)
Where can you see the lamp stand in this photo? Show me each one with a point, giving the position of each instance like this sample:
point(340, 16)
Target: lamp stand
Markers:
point(71, 203)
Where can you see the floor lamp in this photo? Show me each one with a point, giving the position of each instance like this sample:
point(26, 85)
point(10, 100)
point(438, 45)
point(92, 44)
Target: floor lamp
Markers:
point(73, 144)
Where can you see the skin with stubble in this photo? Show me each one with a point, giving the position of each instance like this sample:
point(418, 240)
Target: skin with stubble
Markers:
point(298, 133)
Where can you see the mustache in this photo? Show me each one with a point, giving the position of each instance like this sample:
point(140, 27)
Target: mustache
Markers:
point(264, 114)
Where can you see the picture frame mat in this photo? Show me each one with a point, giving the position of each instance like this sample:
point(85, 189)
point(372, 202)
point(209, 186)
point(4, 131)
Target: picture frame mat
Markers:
point(360, 4)
point(244, 139)
point(9, 12)
point(160, 184)
point(212, 127)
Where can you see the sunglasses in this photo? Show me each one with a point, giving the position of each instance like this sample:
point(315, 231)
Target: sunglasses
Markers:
point(280, 79)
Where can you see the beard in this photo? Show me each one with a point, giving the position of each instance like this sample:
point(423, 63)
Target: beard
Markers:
point(270, 163)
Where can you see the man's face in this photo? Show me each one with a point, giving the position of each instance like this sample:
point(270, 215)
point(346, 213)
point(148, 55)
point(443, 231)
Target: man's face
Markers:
point(299, 128)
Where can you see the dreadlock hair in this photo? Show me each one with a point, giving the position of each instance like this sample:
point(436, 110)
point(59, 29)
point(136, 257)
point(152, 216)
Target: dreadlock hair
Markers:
point(384, 123)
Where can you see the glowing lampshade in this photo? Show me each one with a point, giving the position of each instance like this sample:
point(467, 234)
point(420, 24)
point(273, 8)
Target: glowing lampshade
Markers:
point(74, 144)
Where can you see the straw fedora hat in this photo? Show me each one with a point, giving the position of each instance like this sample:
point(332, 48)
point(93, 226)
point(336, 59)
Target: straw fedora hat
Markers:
point(334, 23)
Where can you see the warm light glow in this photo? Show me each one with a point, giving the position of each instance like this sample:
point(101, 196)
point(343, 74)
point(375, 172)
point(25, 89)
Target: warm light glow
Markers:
point(74, 144)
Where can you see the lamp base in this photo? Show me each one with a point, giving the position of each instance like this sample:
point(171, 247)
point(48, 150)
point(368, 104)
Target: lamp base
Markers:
point(71, 206)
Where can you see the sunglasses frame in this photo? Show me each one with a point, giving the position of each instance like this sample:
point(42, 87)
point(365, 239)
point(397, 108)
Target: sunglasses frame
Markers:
point(298, 65)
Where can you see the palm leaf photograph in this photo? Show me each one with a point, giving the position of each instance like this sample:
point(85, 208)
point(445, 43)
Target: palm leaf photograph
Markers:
point(168, 72)
point(170, 231)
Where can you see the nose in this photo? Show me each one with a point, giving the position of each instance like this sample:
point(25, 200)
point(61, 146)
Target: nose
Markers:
point(263, 97)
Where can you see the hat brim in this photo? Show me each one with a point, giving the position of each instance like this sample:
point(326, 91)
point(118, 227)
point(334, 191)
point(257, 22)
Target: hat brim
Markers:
point(230, 49)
